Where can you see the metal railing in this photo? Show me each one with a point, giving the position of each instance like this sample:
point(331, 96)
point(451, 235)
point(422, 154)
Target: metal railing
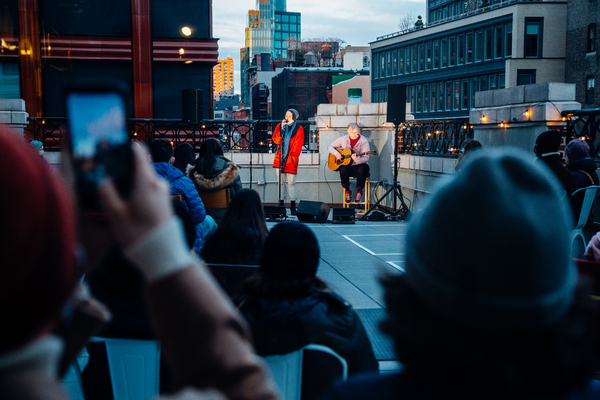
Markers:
point(234, 135)
point(584, 124)
point(434, 137)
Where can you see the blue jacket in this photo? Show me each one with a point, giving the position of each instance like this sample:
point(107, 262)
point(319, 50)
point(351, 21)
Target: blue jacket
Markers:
point(183, 186)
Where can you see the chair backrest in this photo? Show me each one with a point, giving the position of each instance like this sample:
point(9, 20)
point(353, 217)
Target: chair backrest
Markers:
point(218, 199)
point(588, 202)
point(134, 367)
point(286, 370)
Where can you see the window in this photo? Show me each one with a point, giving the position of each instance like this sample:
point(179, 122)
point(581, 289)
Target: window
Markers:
point(461, 49)
point(382, 72)
point(473, 91)
point(433, 98)
point(465, 94)
point(419, 99)
point(421, 58)
point(286, 18)
point(533, 38)
point(525, 76)
point(589, 92)
point(452, 46)
point(9, 81)
point(483, 83)
point(444, 53)
point(411, 98)
point(501, 81)
point(428, 55)
point(469, 38)
point(591, 38)
point(426, 97)
point(394, 62)
point(456, 95)
point(401, 61)
point(448, 95)
point(478, 52)
point(489, 43)
point(440, 96)
point(508, 40)
point(498, 52)
point(407, 60)
point(492, 82)
point(436, 54)
point(388, 70)
point(413, 55)
point(375, 66)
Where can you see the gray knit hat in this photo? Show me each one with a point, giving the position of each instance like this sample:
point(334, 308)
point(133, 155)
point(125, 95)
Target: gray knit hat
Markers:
point(491, 248)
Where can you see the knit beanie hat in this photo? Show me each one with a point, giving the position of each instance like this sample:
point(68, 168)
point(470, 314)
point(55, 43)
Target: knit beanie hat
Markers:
point(547, 142)
point(37, 244)
point(577, 149)
point(491, 249)
point(291, 251)
point(36, 144)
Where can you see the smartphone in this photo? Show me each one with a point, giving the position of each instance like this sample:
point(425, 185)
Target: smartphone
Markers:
point(99, 140)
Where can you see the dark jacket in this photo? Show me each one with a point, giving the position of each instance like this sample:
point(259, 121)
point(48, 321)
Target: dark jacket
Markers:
point(405, 385)
point(584, 175)
point(559, 170)
point(283, 326)
point(223, 173)
point(183, 186)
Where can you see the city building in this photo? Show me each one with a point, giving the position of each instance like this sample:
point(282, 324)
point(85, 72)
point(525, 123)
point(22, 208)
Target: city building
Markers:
point(270, 29)
point(582, 55)
point(223, 82)
point(46, 44)
point(444, 62)
point(304, 89)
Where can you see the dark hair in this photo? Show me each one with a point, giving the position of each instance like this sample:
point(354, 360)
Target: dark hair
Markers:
point(241, 234)
point(553, 360)
point(184, 155)
point(470, 145)
point(206, 157)
point(161, 150)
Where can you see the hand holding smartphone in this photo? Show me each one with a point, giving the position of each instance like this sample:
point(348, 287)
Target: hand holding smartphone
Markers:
point(99, 140)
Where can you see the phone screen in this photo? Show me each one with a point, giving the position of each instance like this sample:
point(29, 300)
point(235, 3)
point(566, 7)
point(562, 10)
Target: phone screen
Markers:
point(100, 146)
point(95, 120)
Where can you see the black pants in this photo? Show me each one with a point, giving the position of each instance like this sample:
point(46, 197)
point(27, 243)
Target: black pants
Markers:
point(360, 171)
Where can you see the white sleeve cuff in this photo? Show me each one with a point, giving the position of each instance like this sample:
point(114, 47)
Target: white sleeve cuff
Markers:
point(162, 251)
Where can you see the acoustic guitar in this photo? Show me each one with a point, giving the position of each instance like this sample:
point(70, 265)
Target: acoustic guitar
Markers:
point(334, 164)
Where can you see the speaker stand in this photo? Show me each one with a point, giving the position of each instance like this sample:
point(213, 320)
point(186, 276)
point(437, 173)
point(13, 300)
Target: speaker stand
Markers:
point(395, 190)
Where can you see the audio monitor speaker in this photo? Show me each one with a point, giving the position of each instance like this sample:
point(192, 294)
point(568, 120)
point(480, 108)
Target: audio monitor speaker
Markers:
point(343, 215)
point(312, 211)
point(396, 104)
point(274, 213)
point(191, 105)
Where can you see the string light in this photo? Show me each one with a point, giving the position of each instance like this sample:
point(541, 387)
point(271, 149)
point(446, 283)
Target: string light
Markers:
point(483, 118)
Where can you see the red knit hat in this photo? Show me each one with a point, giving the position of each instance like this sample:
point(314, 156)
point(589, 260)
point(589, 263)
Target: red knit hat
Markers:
point(37, 238)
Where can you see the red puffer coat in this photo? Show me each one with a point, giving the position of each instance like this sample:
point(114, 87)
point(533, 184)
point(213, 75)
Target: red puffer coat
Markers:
point(290, 163)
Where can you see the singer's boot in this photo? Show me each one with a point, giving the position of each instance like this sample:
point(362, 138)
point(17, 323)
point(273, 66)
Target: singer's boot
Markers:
point(280, 202)
point(293, 207)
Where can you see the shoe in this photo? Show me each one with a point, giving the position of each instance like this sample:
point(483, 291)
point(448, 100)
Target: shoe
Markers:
point(348, 196)
point(358, 197)
point(280, 202)
point(293, 207)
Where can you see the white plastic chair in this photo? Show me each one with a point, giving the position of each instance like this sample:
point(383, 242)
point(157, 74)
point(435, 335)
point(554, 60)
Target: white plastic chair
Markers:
point(578, 243)
point(286, 370)
point(134, 367)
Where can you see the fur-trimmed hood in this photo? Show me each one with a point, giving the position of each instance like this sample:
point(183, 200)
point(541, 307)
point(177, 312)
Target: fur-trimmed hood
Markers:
point(223, 179)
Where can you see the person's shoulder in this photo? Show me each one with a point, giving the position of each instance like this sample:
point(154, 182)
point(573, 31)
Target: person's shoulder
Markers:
point(372, 385)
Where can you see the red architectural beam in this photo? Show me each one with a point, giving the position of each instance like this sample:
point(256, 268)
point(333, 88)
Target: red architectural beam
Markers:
point(86, 48)
point(142, 58)
point(30, 57)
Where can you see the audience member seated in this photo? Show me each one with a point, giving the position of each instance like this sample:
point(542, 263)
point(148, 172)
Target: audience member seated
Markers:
point(288, 307)
point(240, 237)
point(468, 146)
point(583, 168)
point(546, 149)
point(503, 318)
point(201, 333)
point(213, 172)
point(162, 156)
point(184, 157)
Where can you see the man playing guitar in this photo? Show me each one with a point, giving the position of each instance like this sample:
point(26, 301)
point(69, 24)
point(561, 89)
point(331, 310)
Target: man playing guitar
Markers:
point(359, 167)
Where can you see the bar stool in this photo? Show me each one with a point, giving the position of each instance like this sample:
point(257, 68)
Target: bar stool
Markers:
point(365, 200)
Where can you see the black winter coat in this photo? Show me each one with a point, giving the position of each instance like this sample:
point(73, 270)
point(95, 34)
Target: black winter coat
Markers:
point(582, 170)
point(283, 326)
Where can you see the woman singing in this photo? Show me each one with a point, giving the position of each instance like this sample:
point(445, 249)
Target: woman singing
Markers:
point(289, 137)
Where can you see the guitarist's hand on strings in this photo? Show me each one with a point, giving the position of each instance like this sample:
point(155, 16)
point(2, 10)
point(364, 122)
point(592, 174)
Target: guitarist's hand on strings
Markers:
point(338, 156)
point(355, 157)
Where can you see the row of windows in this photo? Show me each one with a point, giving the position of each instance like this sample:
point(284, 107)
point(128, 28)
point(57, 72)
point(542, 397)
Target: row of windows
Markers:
point(453, 95)
point(448, 10)
point(286, 35)
point(287, 27)
point(294, 19)
point(465, 48)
